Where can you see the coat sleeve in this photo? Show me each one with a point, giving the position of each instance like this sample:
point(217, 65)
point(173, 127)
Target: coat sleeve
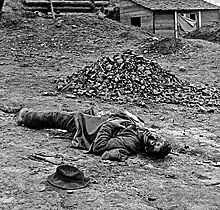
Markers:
point(106, 132)
point(111, 137)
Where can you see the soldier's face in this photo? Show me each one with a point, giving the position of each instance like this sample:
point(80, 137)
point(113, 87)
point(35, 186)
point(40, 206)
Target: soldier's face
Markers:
point(156, 146)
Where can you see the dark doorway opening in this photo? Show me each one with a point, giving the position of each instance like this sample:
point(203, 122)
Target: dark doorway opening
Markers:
point(136, 21)
point(1, 5)
point(192, 16)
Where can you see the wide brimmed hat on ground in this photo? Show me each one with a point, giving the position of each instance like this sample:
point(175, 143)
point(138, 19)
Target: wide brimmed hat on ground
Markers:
point(68, 177)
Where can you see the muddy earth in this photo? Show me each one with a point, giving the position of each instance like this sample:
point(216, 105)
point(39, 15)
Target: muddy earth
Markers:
point(34, 53)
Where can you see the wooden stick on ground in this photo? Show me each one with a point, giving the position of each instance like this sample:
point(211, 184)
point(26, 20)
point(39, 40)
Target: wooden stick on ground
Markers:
point(52, 10)
point(173, 153)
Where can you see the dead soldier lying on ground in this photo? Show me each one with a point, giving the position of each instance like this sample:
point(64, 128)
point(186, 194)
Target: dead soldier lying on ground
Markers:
point(112, 136)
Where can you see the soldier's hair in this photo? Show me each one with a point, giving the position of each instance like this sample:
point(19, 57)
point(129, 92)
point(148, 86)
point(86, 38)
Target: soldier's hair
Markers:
point(164, 151)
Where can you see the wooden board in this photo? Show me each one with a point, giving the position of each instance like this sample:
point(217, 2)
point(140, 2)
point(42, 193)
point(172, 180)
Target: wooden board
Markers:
point(37, 1)
point(61, 9)
point(129, 9)
point(58, 3)
point(164, 21)
point(209, 17)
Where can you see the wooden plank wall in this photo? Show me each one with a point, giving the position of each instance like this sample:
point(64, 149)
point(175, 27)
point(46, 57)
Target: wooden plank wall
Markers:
point(209, 17)
point(129, 9)
point(164, 23)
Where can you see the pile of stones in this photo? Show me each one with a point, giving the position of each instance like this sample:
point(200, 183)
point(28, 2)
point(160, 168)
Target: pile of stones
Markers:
point(164, 46)
point(129, 77)
point(210, 33)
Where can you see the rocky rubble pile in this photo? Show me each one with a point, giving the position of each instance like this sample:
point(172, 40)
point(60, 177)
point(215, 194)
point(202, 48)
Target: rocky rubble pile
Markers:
point(133, 78)
point(164, 46)
point(210, 33)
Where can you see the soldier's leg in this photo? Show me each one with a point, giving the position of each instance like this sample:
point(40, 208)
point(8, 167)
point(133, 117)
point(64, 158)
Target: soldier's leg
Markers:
point(40, 120)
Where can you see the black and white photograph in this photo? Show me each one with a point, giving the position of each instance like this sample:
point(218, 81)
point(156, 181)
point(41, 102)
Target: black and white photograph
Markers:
point(110, 104)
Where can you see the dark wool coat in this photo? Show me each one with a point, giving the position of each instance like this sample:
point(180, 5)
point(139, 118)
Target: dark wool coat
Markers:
point(116, 134)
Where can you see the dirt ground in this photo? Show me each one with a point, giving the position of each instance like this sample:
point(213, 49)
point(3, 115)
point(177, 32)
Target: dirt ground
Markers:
point(36, 52)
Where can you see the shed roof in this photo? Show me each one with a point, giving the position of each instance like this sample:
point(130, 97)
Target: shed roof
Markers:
point(176, 4)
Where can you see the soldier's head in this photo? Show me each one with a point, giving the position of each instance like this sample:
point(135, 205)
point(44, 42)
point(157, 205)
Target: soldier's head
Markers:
point(21, 115)
point(155, 145)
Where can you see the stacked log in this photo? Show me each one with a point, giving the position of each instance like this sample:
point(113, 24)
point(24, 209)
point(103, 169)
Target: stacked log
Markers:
point(60, 9)
point(64, 5)
point(133, 78)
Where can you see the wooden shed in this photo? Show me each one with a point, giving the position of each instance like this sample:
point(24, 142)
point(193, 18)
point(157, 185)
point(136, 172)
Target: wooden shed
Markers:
point(168, 17)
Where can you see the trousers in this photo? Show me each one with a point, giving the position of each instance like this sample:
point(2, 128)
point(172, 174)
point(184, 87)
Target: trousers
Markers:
point(40, 120)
